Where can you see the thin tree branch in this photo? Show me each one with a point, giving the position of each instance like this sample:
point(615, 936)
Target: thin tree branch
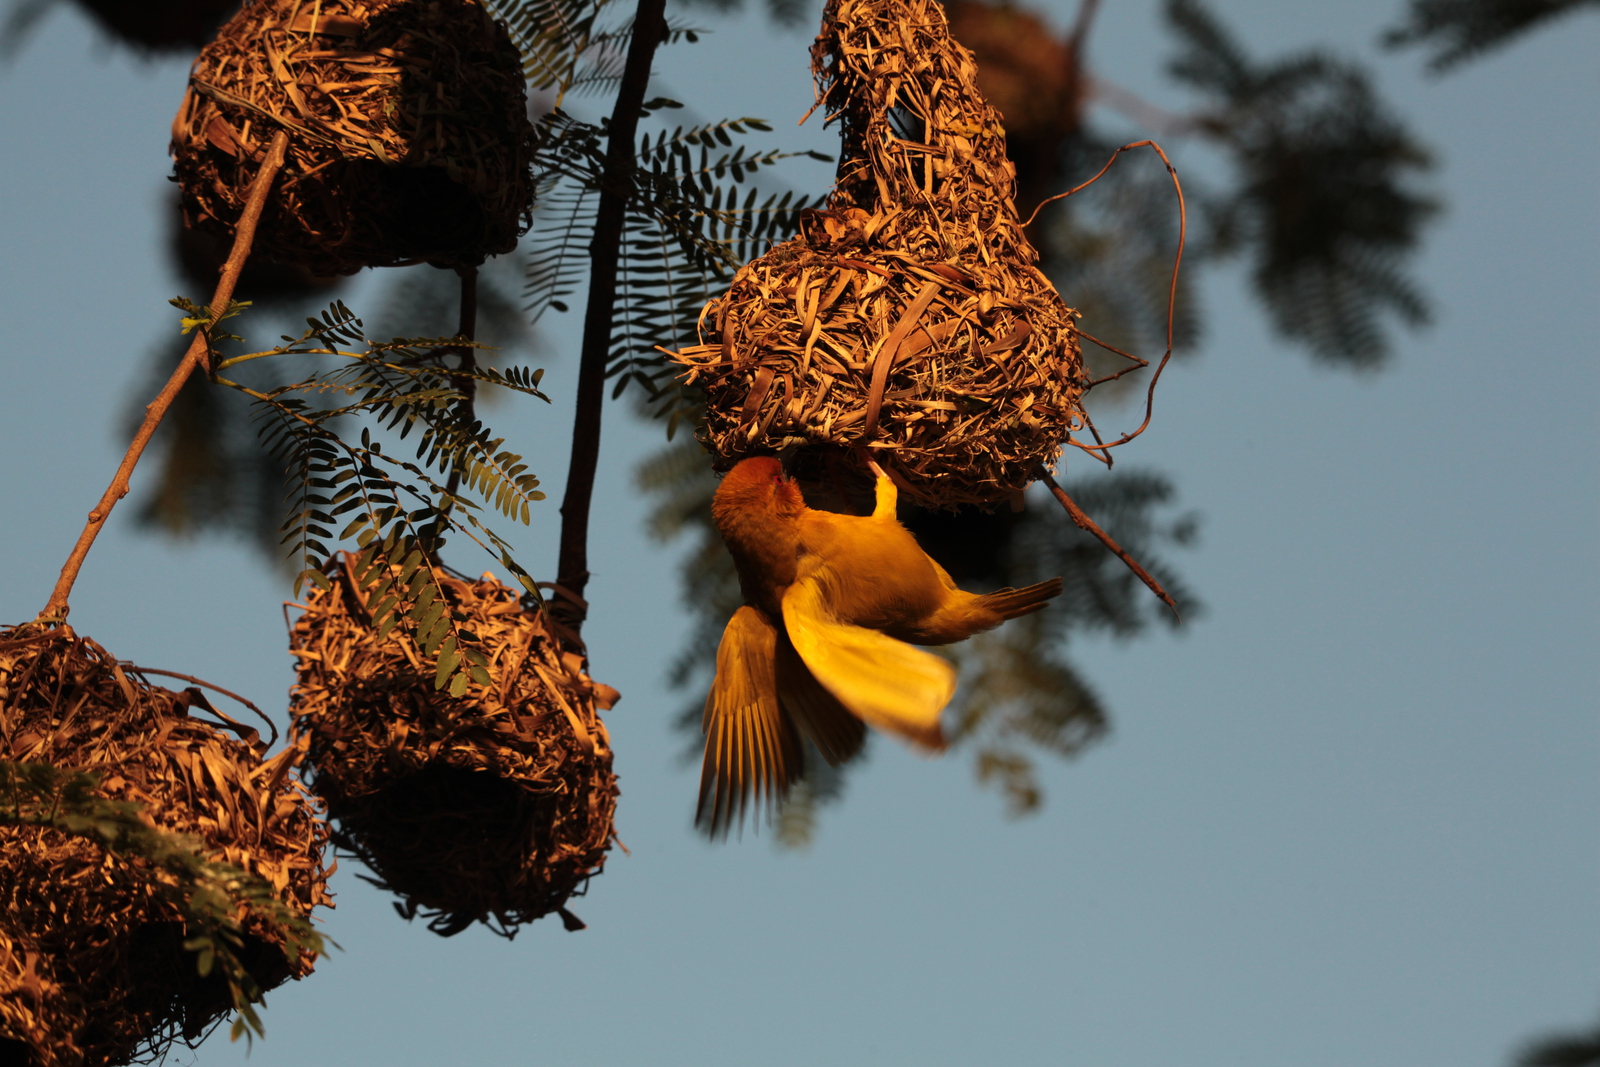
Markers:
point(215, 688)
point(1081, 519)
point(467, 330)
point(1080, 26)
point(572, 570)
point(199, 350)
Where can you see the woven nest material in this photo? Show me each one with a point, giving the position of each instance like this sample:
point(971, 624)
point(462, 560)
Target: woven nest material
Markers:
point(494, 807)
point(908, 315)
point(409, 134)
point(92, 963)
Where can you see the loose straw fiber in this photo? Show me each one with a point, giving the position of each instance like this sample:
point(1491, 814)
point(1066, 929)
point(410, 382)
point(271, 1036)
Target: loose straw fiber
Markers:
point(494, 807)
point(410, 139)
point(909, 315)
point(92, 964)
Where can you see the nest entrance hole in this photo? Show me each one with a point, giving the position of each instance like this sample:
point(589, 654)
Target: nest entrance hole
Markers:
point(436, 812)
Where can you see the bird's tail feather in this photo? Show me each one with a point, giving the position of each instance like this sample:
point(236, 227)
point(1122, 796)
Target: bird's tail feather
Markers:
point(1013, 603)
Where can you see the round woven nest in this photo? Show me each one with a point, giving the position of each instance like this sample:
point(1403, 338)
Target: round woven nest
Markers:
point(409, 134)
point(494, 807)
point(909, 315)
point(92, 963)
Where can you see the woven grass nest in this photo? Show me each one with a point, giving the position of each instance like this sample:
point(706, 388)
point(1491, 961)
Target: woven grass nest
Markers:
point(409, 134)
point(495, 807)
point(908, 315)
point(92, 964)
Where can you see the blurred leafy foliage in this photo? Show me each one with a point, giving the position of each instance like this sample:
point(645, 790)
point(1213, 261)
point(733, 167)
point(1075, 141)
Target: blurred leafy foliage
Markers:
point(1459, 30)
point(213, 897)
point(1577, 1049)
point(1109, 251)
point(1321, 205)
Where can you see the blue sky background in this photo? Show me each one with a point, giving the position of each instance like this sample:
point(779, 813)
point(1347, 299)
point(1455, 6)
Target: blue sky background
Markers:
point(1350, 816)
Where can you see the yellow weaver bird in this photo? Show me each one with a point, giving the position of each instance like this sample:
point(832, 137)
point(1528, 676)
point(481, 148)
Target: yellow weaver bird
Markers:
point(820, 647)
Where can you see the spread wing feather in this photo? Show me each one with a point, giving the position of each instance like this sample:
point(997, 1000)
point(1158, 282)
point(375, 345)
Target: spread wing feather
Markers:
point(888, 683)
point(752, 748)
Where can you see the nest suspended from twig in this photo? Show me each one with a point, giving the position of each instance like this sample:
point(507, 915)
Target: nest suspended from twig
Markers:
point(909, 315)
point(410, 139)
point(93, 966)
point(493, 807)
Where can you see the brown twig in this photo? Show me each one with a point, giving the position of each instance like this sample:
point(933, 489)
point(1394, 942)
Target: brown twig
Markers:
point(1139, 364)
point(1080, 26)
point(572, 569)
point(1081, 519)
point(197, 356)
point(214, 688)
point(1172, 291)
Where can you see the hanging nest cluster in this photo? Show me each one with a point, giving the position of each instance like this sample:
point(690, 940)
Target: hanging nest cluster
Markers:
point(93, 966)
point(493, 807)
point(409, 134)
point(909, 315)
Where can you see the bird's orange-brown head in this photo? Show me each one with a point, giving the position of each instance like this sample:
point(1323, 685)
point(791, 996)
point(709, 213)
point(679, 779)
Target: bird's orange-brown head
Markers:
point(758, 484)
point(756, 510)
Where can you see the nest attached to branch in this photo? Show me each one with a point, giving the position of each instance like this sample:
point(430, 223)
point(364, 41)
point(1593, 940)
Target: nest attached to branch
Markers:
point(409, 133)
point(493, 807)
point(92, 960)
point(909, 315)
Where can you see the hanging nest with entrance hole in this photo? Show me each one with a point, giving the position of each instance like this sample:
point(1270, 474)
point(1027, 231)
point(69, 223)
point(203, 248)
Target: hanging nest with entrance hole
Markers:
point(92, 961)
point(908, 315)
point(493, 807)
point(409, 133)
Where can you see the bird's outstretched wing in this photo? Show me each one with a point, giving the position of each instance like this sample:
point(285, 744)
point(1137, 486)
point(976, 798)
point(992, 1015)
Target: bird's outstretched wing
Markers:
point(828, 724)
point(888, 683)
point(751, 746)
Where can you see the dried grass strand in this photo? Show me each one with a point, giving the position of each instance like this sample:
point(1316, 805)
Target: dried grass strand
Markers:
point(199, 350)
